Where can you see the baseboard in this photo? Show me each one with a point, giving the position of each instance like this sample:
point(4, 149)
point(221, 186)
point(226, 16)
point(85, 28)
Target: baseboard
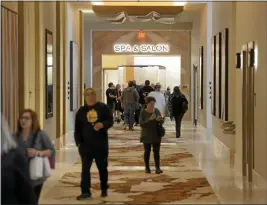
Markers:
point(258, 180)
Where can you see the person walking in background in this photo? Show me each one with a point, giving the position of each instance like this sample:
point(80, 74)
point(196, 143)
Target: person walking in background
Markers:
point(149, 120)
point(138, 107)
point(15, 179)
point(91, 137)
point(167, 95)
point(178, 106)
point(118, 108)
point(144, 91)
point(160, 99)
point(34, 141)
point(129, 99)
point(111, 97)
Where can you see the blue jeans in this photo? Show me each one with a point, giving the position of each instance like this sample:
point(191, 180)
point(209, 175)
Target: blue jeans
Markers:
point(129, 110)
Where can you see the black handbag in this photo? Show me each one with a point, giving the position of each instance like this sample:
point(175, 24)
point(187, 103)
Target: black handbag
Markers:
point(161, 130)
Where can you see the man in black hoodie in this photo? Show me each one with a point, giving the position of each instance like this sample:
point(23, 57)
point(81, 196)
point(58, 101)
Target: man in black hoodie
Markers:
point(91, 136)
point(144, 93)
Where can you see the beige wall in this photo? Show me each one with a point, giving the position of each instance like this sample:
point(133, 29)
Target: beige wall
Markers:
point(10, 5)
point(251, 25)
point(35, 17)
point(220, 22)
point(247, 21)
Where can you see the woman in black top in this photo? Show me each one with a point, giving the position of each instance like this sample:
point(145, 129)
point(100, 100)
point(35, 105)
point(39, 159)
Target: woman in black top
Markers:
point(16, 186)
point(149, 120)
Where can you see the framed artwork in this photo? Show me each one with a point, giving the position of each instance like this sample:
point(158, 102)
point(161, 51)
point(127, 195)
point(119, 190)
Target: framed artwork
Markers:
point(218, 75)
point(213, 74)
point(74, 77)
point(225, 74)
point(49, 74)
point(201, 76)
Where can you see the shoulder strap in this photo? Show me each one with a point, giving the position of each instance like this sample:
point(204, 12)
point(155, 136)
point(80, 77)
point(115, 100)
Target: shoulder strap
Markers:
point(34, 139)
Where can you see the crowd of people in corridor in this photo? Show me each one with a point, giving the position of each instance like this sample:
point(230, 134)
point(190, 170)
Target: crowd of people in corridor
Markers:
point(29, 155)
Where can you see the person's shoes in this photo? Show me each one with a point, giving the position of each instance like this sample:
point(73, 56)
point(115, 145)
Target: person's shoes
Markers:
point(125, 127)
point(131, 129)
point(148, 171)
point(104, 193)
point(159, 171)
point(84, 196)
point(178, 136)
point(136, 124)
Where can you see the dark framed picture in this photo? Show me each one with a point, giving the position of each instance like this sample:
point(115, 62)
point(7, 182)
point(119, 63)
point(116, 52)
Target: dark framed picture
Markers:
point(201, 76)
point(49, 74)
point(213, 74)
point(225, 74)
point(218, 75)
point(74, 77)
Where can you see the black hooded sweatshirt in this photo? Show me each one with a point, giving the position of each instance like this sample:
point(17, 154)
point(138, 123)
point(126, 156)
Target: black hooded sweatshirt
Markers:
point(88, 139)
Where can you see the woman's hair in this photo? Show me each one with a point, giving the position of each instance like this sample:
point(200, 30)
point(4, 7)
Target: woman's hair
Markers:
point(7, 139)
point(117, 86)
point(35, 122)
point(150, 99)
point(176, 90)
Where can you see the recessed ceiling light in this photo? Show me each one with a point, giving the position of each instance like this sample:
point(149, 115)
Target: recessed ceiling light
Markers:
point(97, 3)
point(179, 3)
point(87, 11)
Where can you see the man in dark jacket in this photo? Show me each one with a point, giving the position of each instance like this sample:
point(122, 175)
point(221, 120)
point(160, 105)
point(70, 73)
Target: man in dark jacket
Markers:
point(144, 91)
point(91, 136)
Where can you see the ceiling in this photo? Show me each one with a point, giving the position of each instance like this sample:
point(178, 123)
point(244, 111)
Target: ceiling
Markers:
point(187, 10)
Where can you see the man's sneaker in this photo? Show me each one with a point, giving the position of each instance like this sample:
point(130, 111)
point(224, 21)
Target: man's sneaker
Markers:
point(126, 127)
point(104, 193)
point(131, 129)
point(85, 196)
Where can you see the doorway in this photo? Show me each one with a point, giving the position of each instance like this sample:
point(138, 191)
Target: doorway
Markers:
point(248, 106)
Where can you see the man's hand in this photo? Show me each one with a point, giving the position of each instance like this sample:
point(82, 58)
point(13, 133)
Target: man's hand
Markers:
point(98, 126)
point(32, 152)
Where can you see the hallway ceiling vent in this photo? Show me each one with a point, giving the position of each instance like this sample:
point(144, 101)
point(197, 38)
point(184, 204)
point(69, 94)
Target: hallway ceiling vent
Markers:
point(141, 14)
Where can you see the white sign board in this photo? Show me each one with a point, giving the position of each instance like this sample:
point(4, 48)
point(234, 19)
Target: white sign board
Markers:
point(143, 48)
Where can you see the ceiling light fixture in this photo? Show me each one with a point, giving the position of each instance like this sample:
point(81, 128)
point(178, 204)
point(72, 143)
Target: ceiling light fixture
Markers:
point(87, 11)
point(97, 3)
point(179, 3)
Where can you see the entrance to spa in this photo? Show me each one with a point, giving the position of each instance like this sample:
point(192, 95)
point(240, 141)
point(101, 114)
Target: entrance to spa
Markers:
point(120, 69)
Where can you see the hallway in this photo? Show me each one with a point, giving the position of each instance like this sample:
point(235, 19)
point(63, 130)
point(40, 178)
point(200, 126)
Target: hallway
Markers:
point(192, 174)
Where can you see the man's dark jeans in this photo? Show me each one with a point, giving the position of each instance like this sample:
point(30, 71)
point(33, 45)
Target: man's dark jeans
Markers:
point(101, 160)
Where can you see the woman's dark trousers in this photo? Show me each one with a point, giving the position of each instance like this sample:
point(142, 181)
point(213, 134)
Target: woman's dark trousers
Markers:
point(178, 122)
point(156, 149)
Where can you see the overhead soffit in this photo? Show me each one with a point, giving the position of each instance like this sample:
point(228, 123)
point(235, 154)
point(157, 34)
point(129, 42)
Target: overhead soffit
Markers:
point(104, 10)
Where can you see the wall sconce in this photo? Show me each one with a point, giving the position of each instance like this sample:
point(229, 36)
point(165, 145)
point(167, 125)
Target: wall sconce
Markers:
point(238, 60)
point(252, 57)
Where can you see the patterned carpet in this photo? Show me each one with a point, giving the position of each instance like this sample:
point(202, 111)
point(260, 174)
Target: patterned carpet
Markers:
point(181, 182)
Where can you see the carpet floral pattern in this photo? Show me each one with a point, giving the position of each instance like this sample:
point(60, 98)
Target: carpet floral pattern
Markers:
point(181, 182)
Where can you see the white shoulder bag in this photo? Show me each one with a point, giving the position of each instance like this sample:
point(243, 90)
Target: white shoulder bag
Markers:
point(46, 168)
point(36, 168)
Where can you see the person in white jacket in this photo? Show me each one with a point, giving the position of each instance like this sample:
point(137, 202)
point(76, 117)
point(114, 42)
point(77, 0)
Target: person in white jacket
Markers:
point(160, 99)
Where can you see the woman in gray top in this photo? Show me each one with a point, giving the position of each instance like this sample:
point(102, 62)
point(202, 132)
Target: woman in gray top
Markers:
point(149, 120)
point(34, 142)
